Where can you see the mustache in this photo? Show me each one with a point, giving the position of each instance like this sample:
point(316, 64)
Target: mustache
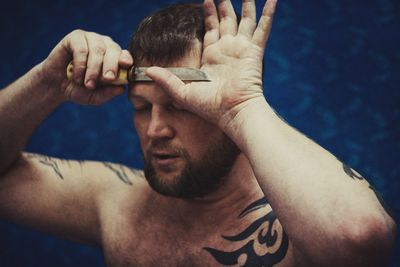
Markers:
point(165, 145)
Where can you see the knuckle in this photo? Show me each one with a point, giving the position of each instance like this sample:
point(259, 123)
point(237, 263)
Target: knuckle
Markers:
point(93, 34)
point(99, 49)
point(116, 47)
point(110, 42)
point(113, 51)
point(126, 54)
point(80, 67)
point(82, 50)
point(77, 32)
point(92, 74)
point(108, 39)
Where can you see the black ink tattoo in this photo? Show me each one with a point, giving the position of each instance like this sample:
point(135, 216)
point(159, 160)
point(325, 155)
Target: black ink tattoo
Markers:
point(119, 170)
point(48, 161)
point(353, 174)
point(81, 162)
point(136, 172)
point(267, 241)
point(258, 204)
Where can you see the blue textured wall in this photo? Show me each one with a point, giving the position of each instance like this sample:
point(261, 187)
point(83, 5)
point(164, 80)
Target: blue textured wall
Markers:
point(332, 71)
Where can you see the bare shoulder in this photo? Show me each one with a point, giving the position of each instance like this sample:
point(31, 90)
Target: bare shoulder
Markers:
point(121, 207)
point(124, 190)
point(119, 174)
point(125, 174)
point(97, 176)
point(37, 187)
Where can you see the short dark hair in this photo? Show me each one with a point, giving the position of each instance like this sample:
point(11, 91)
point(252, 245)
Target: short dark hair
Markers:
point(168, 34)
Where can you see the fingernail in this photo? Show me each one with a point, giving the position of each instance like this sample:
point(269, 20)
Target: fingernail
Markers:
point(90, 84)
point(109, 75)
point(126, 57)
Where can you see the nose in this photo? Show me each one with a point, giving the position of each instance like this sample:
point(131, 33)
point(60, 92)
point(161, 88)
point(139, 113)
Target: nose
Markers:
point(159, 124)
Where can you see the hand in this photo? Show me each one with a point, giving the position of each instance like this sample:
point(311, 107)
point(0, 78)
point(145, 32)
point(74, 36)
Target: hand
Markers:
point(94, 57)
point(232, 56)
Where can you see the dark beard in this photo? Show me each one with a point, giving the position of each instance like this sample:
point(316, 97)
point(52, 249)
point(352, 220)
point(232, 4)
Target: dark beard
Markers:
point(197, 179)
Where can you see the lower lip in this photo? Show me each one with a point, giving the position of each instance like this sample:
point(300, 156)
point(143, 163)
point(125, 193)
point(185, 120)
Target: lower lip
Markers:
point(165, 162)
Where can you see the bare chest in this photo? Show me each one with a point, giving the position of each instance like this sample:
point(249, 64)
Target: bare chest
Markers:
point(257, 241)
point(156, 245)
point(162, 253)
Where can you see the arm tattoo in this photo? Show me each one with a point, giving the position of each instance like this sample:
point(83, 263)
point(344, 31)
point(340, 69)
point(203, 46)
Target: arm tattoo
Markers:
point(119, 170)
point(355, 175)
point(267, 242)
point(352, 173)
point(48, 161)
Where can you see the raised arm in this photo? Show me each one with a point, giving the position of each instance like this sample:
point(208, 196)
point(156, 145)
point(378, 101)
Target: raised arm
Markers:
point(50, 194)
point(28, 101)
point(329, 211)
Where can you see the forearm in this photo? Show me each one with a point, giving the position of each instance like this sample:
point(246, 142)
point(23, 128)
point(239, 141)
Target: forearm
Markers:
point(24, 104)
point(314, 198)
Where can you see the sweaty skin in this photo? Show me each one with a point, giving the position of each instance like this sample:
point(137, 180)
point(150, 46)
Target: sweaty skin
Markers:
point(285, 201)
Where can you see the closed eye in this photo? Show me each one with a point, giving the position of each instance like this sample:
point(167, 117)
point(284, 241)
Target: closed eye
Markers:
point(142, 108)
point(175, 107)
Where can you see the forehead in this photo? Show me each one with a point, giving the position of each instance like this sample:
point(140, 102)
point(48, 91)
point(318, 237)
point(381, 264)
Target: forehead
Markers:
point(149, 89)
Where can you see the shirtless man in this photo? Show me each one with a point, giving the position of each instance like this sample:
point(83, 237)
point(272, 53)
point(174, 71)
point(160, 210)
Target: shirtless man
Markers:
point(217, 156)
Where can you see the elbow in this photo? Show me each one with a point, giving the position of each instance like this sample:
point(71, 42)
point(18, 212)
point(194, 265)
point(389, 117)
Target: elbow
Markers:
point(369, 240)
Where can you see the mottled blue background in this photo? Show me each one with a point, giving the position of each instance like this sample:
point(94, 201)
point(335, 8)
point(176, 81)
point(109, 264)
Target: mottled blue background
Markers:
point(332, 71)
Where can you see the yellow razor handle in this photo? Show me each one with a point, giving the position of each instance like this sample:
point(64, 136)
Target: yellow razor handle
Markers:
point(122, 76)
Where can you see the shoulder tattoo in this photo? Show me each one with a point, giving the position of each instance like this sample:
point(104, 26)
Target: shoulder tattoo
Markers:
point(266, 241)
point(50, 162)
point(120, 171)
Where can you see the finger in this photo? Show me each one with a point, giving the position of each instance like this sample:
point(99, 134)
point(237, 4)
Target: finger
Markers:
point(97, 49)
point(92, 97)
point(261, 34)
point(248, 21)
point(104, 95)
point(169, 82)
point(111, 59)
point(228, 20)
point(125, 59)
point(76, 43)
point(211, 23)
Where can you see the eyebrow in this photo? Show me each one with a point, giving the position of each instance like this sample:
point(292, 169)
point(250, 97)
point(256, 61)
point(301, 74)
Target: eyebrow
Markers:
point(137, 97)
point(130, 90)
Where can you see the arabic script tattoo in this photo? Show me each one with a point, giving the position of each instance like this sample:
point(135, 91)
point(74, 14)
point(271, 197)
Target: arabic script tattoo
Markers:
point(266, 241)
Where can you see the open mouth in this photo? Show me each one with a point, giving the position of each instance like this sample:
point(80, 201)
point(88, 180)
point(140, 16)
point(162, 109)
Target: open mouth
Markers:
point(164, 156)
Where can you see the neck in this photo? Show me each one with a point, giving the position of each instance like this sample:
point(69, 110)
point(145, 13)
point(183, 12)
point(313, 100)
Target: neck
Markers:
point(238, 191)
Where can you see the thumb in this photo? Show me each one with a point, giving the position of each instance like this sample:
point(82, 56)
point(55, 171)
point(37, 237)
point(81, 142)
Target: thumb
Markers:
point(169, 82)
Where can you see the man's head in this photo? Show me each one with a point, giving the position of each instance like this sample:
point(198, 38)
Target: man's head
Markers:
point(185, 156)
point(167, 35)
